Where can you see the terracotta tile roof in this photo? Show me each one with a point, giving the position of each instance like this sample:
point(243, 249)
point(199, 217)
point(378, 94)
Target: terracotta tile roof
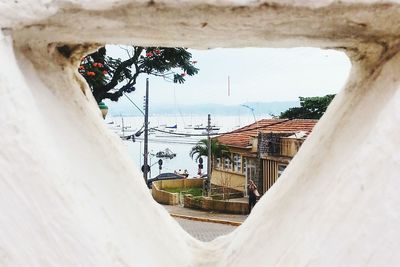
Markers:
point(242, 136)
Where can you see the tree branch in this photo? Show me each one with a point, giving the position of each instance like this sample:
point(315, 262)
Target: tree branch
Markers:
point(101, 92)
point(114, 96)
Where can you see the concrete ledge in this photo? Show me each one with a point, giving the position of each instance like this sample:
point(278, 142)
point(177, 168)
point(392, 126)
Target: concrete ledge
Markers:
point(162, 196)
point(202, 219)
point(179, 183)
point(165, 197)
point(208, 204)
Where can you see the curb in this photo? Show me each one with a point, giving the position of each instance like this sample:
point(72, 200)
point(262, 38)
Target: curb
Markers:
point(202, 219)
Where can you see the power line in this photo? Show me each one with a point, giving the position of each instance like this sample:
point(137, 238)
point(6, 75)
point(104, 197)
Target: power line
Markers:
point(215, 134)
point(141, 111)
point(240, 130)
point(183, 134)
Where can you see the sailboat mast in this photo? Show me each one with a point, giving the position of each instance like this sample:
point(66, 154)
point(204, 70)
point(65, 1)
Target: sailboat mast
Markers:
point(229, 85)
point(123, 126)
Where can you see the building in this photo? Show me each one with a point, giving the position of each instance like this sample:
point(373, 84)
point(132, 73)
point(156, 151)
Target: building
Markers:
point(260, 151)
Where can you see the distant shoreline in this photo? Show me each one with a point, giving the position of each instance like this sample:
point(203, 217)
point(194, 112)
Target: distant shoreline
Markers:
point(260, 109)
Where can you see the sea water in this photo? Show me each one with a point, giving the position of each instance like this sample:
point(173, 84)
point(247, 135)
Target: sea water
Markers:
point(180, 145)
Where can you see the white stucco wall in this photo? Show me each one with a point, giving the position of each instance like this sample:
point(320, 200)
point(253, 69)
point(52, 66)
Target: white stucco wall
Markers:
point(69, 196)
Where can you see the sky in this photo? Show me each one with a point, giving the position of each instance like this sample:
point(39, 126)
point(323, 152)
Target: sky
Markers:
point(256, 75)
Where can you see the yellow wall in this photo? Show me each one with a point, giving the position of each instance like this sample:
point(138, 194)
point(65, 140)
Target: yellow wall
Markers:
point(206, 203)
point(180, 183)
point(270, 174)
point(290, 146)
point(228, 179)
point(164, 197)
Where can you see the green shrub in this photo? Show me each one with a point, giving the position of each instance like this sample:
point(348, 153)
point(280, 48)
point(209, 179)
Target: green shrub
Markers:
point(195, 191)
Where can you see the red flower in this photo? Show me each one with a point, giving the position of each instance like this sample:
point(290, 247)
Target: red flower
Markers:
point(105, 72)
point(97, 64)
point(81, 67)
point(149, 54)
point(157, 51)
point(90, 73)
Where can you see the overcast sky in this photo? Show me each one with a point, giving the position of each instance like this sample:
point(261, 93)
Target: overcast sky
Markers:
point(256, 74)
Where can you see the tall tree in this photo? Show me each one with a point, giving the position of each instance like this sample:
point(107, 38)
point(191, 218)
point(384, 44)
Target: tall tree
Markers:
point(310, 108)
point(111, 77)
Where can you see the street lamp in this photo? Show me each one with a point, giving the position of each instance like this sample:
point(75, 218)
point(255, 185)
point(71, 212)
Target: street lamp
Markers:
point(252, 111)
point(254, 116)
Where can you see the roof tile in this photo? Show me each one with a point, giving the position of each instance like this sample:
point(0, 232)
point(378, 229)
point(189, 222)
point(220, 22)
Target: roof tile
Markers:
point(241, 137)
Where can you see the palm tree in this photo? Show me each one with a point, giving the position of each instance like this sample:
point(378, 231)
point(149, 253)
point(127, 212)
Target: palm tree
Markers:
point(218, 150)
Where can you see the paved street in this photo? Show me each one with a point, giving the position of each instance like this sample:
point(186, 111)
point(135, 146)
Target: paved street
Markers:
point(205, 231)
point(200, 229)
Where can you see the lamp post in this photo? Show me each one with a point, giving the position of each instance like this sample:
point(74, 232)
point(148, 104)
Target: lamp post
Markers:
point(208, 180)
point(258, 129)
point(252, 111)
point(146, 133)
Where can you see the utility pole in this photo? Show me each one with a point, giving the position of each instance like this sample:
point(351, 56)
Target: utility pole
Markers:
point(208, 183)
point(146, 132)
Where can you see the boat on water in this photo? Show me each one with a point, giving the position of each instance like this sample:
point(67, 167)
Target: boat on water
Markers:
point(167, 153)
point(167, 131)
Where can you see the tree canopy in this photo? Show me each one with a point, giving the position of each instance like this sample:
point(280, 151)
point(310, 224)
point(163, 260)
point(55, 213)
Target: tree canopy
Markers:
point(310, 108)
point(110, 77)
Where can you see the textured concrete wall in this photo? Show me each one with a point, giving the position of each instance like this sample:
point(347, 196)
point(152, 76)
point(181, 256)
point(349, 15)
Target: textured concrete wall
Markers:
point(228, 180)
point(180, 183)
point(162, 196)
point(71, 198)
point(209, 204)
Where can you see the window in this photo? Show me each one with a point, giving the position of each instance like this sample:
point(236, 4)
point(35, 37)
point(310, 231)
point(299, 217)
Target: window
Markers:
point(227, 164)
point(218, 163)
point(244, 165)
point(237, 160)
point(281, 168)
point(251, 169)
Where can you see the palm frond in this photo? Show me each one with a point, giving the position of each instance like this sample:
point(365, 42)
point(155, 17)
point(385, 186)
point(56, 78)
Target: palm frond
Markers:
point(217, 150)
